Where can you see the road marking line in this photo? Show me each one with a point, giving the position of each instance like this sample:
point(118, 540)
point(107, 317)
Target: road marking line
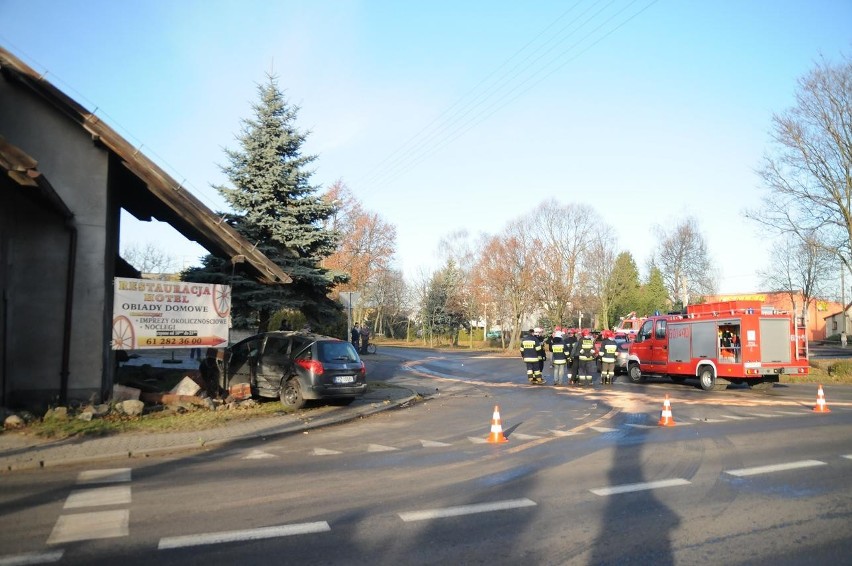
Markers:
point(465, 510)
point(29, 558)
point(258, 455)
point(433, 444)
point(477, 440)
point(87, 526)
point(791, 413)
point(847, 456)
point(565, 433)
point(104, 476)
point(775, 468)
point(324, 452)
point(630, 487)
point(99, 496)
point(380, 448)
point(602, 429)
point(239, 536)
point(767, 415)
point(706, 420)
point(522, 436)
point(736, 418)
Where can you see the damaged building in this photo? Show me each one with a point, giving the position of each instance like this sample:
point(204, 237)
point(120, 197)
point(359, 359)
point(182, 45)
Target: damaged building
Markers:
point(65, 177)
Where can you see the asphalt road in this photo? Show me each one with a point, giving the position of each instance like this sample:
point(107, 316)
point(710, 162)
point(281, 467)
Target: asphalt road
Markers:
point(585, 477)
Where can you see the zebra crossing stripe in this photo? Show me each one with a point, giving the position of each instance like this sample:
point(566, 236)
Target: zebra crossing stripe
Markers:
point(88, 526)
point(97, 497)
point(115, 475)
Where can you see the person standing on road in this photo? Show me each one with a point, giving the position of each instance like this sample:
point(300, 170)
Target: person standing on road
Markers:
point(608, 352)
point(585, 352)
point(542, 355)
point(355, 336)
point(558, 358)
point(365, 337)
point(531, 354)
point(573, 361)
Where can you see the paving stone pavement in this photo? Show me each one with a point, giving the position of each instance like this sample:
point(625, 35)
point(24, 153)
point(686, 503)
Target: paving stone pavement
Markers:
point(19, 450)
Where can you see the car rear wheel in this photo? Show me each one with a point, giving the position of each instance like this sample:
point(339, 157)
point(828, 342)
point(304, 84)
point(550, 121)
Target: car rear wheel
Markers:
point(634, 373)
point(291, 394)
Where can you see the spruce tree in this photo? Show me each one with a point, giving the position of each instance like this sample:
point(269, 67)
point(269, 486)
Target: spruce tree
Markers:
point(275, 206)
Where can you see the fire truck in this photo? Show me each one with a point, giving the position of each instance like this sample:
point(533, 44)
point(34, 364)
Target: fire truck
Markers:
point(739, 342)
point(629, 325)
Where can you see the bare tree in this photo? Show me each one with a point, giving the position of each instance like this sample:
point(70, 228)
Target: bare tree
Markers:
point(798, 265)
point(366, 250)
point(460, 252)
point(808, 170)
point(507, 267)
point(601, 265)
point(391, 298)
point(567, 234)
point(148, 258)
point(682, 258)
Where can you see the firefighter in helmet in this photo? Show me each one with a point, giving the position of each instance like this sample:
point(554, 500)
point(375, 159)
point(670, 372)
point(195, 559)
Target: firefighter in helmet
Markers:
point(573, 361)
point(531, 348)
point(585, 352)
point(608, 352)
point(558, 357)
point(539, 332)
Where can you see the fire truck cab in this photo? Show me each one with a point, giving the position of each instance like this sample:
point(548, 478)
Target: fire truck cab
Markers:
point(740, 342)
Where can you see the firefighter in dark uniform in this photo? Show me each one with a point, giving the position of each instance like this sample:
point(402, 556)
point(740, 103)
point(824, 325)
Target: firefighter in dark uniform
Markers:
point(531, 348)
point(585, 352)
point(542, 357)
point(573, 361)
point(558, 358)
point(608, 352)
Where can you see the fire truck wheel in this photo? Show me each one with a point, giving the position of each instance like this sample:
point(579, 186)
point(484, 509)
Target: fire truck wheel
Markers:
point(634, 373)
point(707, 378)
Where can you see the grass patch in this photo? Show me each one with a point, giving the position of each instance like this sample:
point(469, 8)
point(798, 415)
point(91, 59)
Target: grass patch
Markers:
point(156, 419)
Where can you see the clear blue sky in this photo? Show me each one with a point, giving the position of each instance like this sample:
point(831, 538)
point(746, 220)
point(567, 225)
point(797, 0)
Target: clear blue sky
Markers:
point(445, 115)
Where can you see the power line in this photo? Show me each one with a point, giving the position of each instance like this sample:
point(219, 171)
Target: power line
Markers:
point(509, 84)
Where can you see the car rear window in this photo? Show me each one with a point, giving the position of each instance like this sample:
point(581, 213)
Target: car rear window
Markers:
point(337, 351)
point(299, 344)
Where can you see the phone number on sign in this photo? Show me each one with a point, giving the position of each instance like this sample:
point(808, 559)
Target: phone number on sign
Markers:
point(172, 341)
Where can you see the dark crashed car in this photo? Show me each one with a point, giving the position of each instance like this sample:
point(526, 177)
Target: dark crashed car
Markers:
point(296, 367)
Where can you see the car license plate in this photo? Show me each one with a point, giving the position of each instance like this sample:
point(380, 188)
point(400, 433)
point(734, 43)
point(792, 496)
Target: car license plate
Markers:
point(344, 379)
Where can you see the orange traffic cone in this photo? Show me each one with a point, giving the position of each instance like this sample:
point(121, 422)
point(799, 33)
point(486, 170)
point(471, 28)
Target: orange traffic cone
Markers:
point(666, 418)
point(821, 407)
point(496, 435)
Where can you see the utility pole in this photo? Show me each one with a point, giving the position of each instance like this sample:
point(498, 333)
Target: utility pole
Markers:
point(843, 298)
